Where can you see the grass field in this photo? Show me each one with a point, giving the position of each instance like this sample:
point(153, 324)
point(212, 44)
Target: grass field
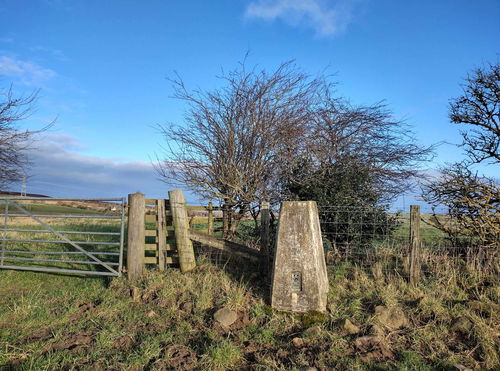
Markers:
point(375, 321)
point(52, 322)
point(58, 209)
point(48, 207)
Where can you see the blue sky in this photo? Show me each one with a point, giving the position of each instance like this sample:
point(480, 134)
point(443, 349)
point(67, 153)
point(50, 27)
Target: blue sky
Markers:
point(102, 66)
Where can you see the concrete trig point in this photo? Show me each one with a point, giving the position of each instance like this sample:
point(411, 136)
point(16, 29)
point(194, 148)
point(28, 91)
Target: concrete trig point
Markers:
point(299, 279)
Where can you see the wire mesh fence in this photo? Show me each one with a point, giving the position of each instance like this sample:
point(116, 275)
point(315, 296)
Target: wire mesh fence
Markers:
point(376, 239)
point(379, 240)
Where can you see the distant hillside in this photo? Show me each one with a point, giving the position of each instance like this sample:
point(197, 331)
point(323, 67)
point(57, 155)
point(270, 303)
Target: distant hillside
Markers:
point(15, 194)
point(61, 205)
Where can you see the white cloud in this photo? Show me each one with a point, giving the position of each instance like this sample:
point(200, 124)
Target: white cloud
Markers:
point(62, 141)
point(60, 170)
point(325, 17)
point(28, 73)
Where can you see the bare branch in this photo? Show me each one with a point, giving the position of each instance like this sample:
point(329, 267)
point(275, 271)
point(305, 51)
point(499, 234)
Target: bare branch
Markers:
point(13, 141)
point(479, 106)
point(472, 202)
point(366, 135)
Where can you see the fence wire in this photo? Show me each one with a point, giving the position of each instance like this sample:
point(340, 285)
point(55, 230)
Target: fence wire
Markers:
point(376, 239)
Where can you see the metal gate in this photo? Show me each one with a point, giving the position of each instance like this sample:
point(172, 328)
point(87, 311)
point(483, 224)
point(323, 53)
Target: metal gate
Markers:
point(66, 235)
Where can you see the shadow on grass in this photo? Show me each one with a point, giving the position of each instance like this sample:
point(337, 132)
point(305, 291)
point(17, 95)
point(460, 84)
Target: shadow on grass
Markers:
point(239, 269)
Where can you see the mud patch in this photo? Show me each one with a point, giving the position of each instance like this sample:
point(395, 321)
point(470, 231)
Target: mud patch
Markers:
point(75, 342)
point(124, 343)
point(177, 358)
point(372, 348)
point(82, 309)
point(241, 322)
point(42, 334)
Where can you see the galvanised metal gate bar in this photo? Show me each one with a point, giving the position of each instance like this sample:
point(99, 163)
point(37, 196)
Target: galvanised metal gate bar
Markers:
point(77, 248)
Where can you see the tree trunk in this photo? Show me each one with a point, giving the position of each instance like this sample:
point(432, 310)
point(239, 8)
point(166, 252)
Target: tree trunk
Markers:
point(235, 221)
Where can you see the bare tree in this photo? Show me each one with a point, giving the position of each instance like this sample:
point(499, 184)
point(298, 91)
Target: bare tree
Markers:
point(472, 201)
point(479, 106)
point(366, 136)
point(473, 204)
point(13, 141)
point(236, 139)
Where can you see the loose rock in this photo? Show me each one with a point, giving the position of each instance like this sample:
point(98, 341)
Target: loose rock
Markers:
point(298, 342)
point(225, 317)
point(313, 332)
point(391, 318)
point(349, 327)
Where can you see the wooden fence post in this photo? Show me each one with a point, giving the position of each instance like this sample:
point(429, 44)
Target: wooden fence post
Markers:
point(210, 226)
point(414, 245)
point(180, 220)
point(135, 245)
point(225, 220)
point(161, 233)
point(264, 235)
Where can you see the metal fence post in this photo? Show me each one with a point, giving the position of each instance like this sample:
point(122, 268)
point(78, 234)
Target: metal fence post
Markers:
point(415, 244)
point(5, 227)
point(180, 220)
point(135, 246)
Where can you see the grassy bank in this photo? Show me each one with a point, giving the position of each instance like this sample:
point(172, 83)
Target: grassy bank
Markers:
point(60, 322)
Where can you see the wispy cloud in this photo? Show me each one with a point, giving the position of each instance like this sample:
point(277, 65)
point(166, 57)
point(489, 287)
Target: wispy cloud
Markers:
point(63, 142)
point(59, 168)
point(52, 52)
point(326, 17)
point(28, 73)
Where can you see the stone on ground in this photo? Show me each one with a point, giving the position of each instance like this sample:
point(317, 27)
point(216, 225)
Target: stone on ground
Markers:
point(298, 342)
point(349, 327)
point(226, 317)
point(390, 318)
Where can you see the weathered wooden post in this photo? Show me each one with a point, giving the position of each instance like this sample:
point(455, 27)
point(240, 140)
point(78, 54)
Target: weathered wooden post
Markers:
point(225, 220)
point(264, 236)
point(414, 244)
point(299, 280)
point(135, 245)
point(161, 233)
point(210, 226)
point(180, 220)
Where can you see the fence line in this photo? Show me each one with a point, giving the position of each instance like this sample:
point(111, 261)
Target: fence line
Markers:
point(404, 243)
